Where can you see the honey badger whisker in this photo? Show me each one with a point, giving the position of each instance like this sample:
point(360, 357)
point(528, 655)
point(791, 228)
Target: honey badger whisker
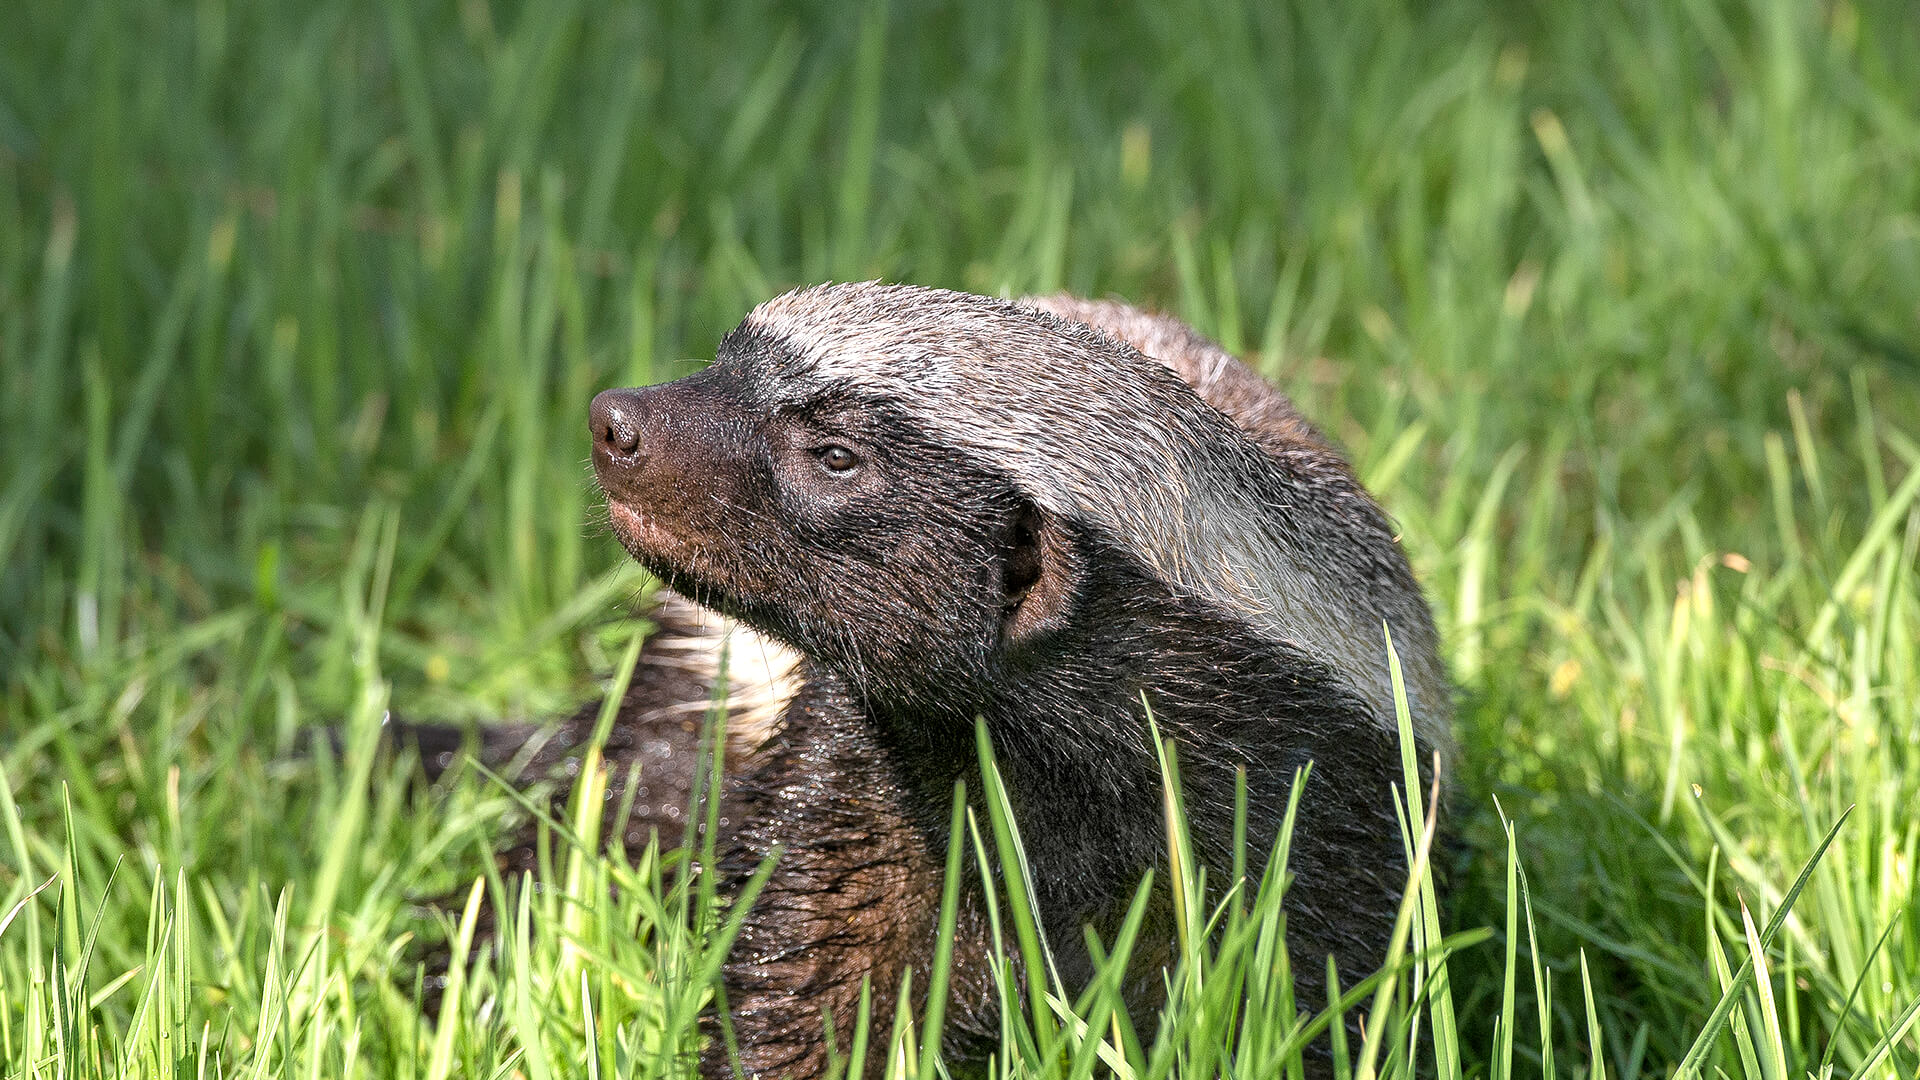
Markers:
point(918, 509)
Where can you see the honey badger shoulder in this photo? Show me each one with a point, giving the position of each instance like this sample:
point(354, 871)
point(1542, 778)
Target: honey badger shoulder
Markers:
point(1263, 412)
point(1270, 419)
point(1034, 514)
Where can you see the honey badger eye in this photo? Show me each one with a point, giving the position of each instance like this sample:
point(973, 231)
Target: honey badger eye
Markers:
point(838, 459)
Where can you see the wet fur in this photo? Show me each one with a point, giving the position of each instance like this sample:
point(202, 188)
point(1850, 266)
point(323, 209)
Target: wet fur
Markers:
point(1073, 504)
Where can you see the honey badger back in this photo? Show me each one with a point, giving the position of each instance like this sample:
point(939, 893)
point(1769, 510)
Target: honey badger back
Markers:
point(955, 507)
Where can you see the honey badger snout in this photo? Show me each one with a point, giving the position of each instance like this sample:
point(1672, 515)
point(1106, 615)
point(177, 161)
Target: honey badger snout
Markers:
point(672, 461)
point(615, 418)
point(651, 443)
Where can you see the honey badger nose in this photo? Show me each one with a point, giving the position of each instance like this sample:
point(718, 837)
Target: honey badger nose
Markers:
point(616, 417)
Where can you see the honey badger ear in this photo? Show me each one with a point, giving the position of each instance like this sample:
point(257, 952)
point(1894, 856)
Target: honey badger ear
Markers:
point(1041, 575)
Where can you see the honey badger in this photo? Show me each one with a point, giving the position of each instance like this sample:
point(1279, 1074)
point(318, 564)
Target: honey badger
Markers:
point(923, 507)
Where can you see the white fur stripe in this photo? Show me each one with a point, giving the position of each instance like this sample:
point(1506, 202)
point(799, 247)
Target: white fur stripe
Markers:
point(762, 675)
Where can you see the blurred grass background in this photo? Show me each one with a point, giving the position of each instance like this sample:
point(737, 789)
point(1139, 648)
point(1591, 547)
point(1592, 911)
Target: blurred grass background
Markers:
point(1615, 305)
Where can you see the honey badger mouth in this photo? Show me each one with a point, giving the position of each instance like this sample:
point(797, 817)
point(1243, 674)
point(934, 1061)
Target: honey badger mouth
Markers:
point(692, 566)
point(666, 555)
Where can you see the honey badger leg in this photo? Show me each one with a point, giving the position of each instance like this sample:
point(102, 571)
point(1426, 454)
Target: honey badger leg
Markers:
point(854, 896)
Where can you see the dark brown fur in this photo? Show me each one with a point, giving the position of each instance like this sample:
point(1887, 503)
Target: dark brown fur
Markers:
point(938, 580)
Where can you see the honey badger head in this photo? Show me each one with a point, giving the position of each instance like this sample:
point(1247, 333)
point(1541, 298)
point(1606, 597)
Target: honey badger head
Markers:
point(830, 514)
point(917, 488)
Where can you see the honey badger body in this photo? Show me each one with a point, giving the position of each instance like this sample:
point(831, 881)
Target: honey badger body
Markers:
point(956, 507)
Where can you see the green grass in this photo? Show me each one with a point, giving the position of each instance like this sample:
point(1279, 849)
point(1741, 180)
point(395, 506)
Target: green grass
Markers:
point(1613, 304)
